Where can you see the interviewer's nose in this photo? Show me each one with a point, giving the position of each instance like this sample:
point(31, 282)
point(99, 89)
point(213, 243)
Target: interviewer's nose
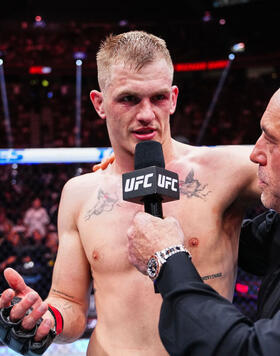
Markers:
point(258, 154)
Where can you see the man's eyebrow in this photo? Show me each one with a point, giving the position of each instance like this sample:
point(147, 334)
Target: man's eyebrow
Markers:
point(136, 94)
point(126, 93)
point(267, 132)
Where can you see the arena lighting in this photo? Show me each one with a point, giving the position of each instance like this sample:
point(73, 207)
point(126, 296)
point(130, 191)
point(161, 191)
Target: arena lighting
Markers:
point(215, 97)
point(241, 288)
point(54, 155)
point(78, 103)
point(238, 47)
point(207, 16)
point(79, 55)
point(45, 83)
point(40, 70)
point(3, 92)
point(123, 23)
point(197, 66)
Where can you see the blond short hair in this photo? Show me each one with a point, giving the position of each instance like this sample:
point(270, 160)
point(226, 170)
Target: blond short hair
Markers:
point(134, 48)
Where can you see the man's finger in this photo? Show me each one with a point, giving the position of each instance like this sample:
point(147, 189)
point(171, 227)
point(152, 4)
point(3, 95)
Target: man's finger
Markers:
point(43, 329)
point(16, 282)
point(30, 320)
point(19, 310)
point(6, 298)
point(140, 216)
point(130, 232)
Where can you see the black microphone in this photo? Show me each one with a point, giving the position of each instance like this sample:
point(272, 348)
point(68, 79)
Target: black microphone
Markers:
point(150, 183)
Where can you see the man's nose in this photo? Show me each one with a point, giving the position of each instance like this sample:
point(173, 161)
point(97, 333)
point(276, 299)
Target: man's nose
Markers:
point(258, 154)
point(145, 112)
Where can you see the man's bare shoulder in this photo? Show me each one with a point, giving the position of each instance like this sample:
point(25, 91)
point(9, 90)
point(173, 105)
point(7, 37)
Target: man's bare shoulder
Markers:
point(230, 155)
point(84, 182)
point(233, 149)
point(239, 154)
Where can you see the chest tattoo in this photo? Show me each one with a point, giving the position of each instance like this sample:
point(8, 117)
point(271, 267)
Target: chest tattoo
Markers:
point(192, 187)
point(105, 202)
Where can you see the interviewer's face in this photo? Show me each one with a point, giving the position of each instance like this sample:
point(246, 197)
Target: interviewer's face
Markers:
point(266, 154)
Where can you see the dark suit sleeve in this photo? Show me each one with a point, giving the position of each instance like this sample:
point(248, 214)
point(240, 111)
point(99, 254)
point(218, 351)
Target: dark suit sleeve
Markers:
point(195, 320)
point(255, 242)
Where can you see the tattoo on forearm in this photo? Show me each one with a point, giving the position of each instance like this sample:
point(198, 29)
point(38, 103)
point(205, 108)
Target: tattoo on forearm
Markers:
point(67, 306)
point(62, 293)
point(212, 276)
point(105, 202)
point(192, 187)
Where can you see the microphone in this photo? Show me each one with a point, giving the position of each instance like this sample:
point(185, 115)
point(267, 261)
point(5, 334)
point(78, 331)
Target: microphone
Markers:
point(150, 183)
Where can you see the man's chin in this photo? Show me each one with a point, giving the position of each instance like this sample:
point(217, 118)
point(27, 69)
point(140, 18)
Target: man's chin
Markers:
point(270, 202)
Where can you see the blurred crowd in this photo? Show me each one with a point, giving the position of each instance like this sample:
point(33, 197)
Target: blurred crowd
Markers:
point(43, 106)
point(29, 199)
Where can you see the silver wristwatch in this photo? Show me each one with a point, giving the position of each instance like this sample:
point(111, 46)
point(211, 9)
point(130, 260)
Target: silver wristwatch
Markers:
point(159, 258)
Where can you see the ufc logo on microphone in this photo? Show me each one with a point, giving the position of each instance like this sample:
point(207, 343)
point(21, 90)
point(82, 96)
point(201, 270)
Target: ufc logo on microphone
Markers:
point(132, 184)
point(166, 182)
point(150, 181)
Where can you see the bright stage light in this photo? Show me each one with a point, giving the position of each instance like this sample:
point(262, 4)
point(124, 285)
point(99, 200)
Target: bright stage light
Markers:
point(79, 62)
point(1, 61)
point(238, 47)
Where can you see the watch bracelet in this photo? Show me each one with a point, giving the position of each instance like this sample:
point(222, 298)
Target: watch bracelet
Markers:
point(169, 251)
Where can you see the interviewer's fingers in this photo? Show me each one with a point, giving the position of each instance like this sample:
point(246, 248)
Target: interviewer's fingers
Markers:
point(96, 167)
point(130, 232)
point(104, 163)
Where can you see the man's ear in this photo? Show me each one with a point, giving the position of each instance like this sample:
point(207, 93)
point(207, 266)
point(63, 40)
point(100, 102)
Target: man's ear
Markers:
point(96, 98)
point(174, 97)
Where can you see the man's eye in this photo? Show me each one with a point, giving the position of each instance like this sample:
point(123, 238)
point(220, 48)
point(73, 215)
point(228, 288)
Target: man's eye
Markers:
point(129, 99)
point(159, 97)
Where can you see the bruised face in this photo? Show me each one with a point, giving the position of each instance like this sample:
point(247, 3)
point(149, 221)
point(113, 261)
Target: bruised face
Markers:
point(137, 105)
point(266, 154)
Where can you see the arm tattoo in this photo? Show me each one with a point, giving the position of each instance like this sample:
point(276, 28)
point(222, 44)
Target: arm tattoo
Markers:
point(191, 187)
point(62, 293)
point(212, 276)
point(105, 202)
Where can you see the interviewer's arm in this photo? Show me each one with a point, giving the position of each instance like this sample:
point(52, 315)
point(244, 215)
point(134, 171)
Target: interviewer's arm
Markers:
point(257, 241)
point(195, 320)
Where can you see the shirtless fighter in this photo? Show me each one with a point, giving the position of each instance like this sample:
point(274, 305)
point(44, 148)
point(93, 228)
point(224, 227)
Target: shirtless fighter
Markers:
point(136, 98)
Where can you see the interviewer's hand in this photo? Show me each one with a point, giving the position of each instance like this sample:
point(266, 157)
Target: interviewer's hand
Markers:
point(149, 234)
point(30, 298)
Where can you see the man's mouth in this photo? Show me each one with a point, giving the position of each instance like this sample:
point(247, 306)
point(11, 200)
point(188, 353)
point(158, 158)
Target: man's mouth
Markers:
point(144, 133)
point(262, 178)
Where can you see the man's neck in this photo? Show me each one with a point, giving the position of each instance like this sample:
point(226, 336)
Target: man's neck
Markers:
point(124, 161)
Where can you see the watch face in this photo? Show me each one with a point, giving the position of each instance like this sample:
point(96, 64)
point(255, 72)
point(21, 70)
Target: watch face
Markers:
point(153, 267)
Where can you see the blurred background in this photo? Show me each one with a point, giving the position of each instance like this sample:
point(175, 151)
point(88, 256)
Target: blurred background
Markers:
point(226, 57)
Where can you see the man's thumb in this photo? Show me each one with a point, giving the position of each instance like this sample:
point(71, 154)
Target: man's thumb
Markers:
point(15, 281)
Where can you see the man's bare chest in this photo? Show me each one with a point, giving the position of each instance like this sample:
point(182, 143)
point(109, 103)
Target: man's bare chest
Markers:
point(105, 218)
